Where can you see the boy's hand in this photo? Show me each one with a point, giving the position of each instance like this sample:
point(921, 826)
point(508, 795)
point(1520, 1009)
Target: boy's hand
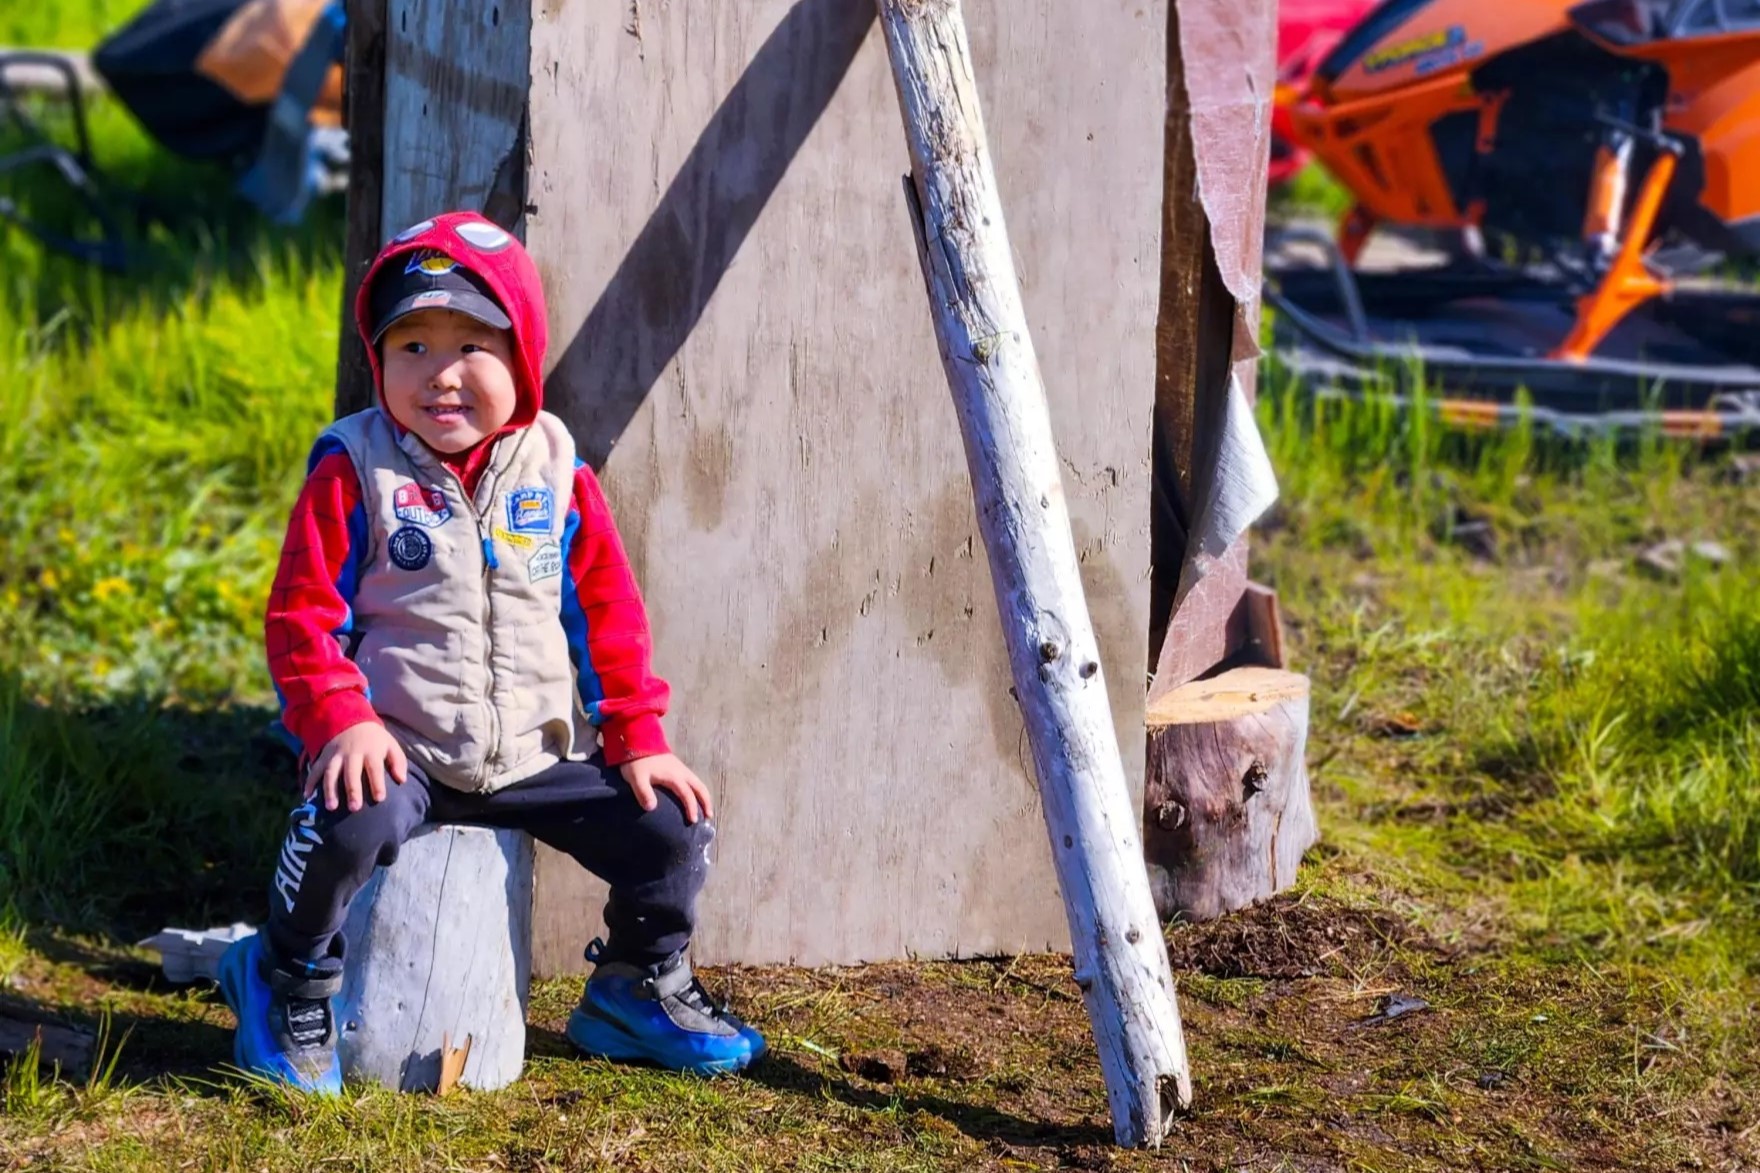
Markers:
point(360, 750)
point(668, 773)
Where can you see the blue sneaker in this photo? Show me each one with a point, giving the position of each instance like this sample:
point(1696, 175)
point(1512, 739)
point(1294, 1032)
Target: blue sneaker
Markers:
point(285, 1030)
point(660, 1015)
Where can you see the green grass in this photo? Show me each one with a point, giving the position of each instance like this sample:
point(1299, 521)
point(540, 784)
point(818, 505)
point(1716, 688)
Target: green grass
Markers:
point(153, 426)
point(66, 24)
point(1534, 773)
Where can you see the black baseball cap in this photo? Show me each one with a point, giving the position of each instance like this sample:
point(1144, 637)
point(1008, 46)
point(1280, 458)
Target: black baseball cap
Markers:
point(428, 279)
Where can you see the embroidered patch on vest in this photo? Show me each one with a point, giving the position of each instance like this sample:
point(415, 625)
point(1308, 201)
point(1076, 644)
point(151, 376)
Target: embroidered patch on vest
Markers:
point(514, 539)
point(426, 507)
point(546, 563)
point(410, 548)
point(529, 511)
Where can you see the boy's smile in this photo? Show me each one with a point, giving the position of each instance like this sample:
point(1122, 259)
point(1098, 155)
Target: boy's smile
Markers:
point(448, 378)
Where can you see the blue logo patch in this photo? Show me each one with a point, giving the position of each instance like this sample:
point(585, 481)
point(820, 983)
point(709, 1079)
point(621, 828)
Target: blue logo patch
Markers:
point(530, 511)
point(410, 548)
point(431, 262)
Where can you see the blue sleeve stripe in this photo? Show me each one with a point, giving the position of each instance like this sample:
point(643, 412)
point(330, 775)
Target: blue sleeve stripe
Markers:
point(348, 578)
point(280, 729)
point(574, 624)
point(327, 445)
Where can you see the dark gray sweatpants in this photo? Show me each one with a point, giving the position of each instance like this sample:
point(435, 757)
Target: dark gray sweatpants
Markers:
point(655, 862)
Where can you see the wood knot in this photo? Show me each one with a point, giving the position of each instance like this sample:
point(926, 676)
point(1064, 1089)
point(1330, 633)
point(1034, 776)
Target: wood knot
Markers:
point(1253, 781)
point(1050, 650)
point(1089, 669)
point(1170, 815)
point(1132, 936)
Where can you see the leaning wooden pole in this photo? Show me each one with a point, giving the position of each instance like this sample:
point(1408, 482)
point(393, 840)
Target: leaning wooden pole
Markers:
point(974, 296)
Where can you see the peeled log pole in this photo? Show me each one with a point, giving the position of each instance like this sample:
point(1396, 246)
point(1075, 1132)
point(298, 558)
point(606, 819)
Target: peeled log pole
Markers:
point(974, 297)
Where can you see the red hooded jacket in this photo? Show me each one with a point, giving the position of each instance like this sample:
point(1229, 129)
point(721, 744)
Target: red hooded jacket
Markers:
point(322, 692)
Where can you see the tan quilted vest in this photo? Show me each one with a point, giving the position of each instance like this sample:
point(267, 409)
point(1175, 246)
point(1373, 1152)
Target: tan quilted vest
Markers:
point(457, 611)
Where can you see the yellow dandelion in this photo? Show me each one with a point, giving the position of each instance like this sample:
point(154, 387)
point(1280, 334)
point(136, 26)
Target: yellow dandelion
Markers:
point(106, 589)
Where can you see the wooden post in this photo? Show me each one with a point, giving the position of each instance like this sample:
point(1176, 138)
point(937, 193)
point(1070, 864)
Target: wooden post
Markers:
point(987, 352)
point(1226, 808)
point(363, 96)
point(460, 133)
point(439, 959)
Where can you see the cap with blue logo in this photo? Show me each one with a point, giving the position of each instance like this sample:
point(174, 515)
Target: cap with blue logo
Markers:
point(431, 280)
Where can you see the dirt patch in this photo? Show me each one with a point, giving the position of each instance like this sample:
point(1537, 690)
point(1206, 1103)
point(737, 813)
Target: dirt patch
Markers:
point(990, 1065)
point(1289, 937)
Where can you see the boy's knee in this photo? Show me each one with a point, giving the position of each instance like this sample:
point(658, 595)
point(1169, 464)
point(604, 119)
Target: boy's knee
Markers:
point(664, 834)
point(370, 836)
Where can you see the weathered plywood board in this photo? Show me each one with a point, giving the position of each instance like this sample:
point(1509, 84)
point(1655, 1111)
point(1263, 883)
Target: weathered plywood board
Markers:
point(739, 340)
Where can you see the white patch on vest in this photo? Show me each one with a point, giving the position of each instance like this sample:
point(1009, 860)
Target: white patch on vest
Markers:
point(413, 231)
point(546, 563)
point(487, 237)
point(411, 502)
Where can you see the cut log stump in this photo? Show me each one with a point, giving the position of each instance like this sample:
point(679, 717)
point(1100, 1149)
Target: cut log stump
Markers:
point(1227, 816)
point(439, 959)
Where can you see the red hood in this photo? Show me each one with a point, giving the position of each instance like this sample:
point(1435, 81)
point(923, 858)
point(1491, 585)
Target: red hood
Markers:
point(501, 261)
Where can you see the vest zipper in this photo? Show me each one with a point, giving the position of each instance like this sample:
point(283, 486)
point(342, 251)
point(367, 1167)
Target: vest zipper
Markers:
point(486, 541)
point(485, 544)
point(490, 563)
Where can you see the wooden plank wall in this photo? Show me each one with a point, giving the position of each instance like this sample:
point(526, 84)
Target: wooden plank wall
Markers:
point(741, 344)
point(1220, 72)
point(436, 110)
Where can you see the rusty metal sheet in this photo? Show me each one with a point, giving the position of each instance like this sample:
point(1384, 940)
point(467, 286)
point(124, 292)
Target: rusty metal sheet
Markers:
point(1229, 75)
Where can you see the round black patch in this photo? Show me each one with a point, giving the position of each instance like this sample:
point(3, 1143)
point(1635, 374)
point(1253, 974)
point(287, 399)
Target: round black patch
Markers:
point(410, 548)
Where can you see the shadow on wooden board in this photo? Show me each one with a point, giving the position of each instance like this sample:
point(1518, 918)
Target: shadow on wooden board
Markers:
point(665, 281)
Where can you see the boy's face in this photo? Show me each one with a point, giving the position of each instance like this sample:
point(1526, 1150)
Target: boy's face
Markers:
point(448, 378)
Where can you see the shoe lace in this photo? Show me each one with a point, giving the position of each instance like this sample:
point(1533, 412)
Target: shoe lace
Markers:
point(308, 1020)
point(697, 998)
point(693, 995)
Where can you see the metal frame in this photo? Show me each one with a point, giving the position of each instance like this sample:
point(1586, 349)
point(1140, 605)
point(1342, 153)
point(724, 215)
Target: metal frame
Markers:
point(76, 167)
point(1595, 394)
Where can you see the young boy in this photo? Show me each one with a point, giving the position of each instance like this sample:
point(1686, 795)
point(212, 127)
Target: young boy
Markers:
point(452, 630)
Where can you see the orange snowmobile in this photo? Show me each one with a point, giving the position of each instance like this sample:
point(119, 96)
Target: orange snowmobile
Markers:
point(1605, 151)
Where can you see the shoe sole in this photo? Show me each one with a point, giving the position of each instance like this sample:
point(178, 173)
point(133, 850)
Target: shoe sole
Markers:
point(602, 1039)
